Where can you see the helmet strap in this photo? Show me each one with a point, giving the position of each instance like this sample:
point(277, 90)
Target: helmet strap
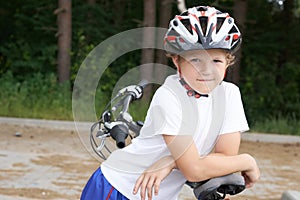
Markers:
point(190, 92)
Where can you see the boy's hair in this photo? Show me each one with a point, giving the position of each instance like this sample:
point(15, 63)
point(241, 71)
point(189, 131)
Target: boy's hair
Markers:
point(202, 27)
point(230, 58)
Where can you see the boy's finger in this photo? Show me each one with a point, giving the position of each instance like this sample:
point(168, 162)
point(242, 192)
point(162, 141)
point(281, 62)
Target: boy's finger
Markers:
point(150, 187)
point(138, 184)
point(156, 186)
point(143, 187)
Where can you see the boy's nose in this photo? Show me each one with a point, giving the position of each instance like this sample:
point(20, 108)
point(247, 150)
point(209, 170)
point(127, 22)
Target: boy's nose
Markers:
point(205, 68)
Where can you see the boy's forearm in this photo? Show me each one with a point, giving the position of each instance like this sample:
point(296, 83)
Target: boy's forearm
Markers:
point(221, 154)
point(213, 166)
point(166, 161)
point(169, 160)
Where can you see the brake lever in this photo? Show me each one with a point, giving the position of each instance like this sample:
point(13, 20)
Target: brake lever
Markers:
point(106, 116)
point(111, 126)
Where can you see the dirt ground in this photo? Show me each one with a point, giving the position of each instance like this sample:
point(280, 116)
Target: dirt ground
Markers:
point(43, 163)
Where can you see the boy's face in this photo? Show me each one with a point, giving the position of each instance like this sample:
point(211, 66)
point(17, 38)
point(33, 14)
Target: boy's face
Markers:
point(203, 70)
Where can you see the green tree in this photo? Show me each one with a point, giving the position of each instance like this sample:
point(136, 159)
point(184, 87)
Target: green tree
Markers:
point(270, 64)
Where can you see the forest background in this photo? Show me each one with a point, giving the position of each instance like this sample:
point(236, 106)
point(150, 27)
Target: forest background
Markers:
point(35, 82)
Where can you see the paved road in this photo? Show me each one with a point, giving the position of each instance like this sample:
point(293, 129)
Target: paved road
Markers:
point(186, 193)
point(70, 125)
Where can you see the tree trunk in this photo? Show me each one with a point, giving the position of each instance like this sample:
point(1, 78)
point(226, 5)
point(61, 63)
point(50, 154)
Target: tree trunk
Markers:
point(164, 18)
point(148, 39)
point(64, 34)
point(240, 14)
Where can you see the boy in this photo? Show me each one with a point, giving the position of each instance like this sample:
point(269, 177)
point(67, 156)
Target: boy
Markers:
point(191, 114)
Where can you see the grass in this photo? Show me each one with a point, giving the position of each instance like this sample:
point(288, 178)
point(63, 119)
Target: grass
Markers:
point(42, 97)
point(286, 126)
point(38, 97)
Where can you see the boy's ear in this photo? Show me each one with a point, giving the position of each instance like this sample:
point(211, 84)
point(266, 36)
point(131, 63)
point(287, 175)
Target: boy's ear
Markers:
point(175, 60)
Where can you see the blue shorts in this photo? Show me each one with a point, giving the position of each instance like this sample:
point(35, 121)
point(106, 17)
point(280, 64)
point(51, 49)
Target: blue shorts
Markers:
point(98, 188)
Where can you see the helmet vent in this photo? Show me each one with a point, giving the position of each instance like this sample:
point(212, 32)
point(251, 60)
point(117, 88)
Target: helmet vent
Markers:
point(202, 27)
point(220, 22)
point(187, 24)
point(203, 23)
point(201, 8)
point(175, 23)
point(233, 30)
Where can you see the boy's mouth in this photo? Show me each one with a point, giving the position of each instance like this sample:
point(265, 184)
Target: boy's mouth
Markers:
point(205, 80)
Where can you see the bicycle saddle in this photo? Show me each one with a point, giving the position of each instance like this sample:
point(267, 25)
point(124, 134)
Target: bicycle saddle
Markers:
point(217, 188)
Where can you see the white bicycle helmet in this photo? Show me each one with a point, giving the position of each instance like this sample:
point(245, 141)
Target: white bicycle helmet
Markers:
point(202, 27)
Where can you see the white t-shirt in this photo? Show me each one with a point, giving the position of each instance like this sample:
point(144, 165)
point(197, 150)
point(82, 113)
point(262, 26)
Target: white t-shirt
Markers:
point(173, 112)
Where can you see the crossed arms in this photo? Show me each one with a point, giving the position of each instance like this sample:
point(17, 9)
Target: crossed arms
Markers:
point(185, 157)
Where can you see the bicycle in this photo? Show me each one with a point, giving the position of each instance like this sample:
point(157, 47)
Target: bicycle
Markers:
point(122, 125)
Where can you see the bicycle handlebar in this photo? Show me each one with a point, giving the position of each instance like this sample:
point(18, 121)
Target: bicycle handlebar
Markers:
point(119, 133)
point(118, 128)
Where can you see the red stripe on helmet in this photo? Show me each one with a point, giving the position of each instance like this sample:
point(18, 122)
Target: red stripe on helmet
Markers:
point(235, 36)
point(212, 15)
point(214, 27)
point(179, 17)
point(172, 37)
point(202, 13)
point(194, 29)
point(195, 16)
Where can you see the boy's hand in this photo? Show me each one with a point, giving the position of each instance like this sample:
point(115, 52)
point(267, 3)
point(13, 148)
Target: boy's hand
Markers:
point(151, 178)
point(252, 175)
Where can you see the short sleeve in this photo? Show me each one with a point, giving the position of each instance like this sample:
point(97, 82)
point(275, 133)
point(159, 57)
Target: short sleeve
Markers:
point(235, 118)
point(164, 114)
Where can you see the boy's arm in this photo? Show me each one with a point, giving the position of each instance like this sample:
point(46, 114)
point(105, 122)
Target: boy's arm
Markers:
point(196, 168)
point(228, 144)
point(182, 147)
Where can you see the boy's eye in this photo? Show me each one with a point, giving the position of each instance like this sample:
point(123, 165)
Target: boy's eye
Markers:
point(218, 61)
point(195, 60)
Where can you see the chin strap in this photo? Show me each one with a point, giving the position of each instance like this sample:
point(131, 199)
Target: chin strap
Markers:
point(190, 92)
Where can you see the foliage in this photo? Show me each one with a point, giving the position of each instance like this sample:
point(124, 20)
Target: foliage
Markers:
point(31, 44)
point(279, 126)
point(37, 97)
point(270, 67)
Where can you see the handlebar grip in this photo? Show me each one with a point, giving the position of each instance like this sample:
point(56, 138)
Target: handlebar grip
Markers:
point(143, 83)
point(119, 133)
point(137, 92)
